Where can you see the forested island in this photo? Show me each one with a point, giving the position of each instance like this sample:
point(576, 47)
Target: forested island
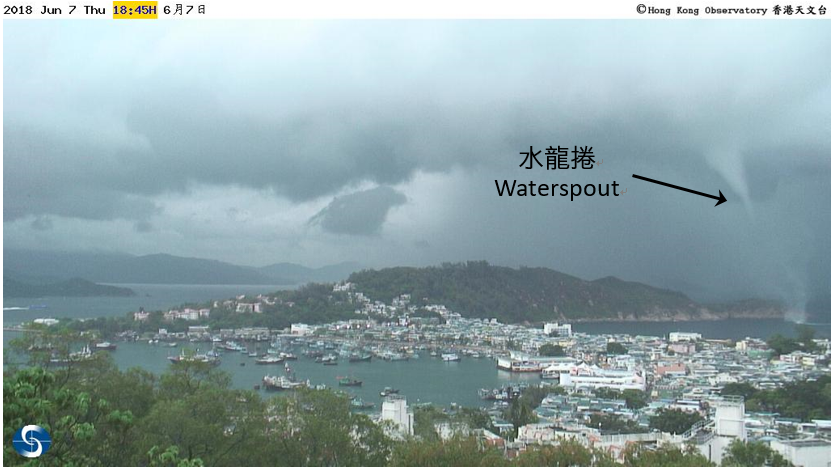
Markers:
point(477, 289)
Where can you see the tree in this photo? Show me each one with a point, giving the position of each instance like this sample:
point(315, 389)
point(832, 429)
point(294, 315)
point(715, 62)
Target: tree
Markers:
point(753, 454)
point(806, 400)
point(314, 427)
point(170, 458)
point(782, 345)
point(615, 348)
point(635, 399)
point(745, 390)
point(613, 424)
point(674, 421)
point(551, 350)
point(462, 452)
point(566, 453)
point(804, 334)
point(84, 430)
point(520, 413)
point(666, 456)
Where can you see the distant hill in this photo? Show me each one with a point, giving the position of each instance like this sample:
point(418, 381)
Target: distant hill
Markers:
point(160, 269)
point(300, 274)
point(168, 269)
point(68, 288)
point(480, 290)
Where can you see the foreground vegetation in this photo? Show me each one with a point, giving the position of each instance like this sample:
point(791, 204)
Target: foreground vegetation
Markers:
point(192, 416)
point(802, 400)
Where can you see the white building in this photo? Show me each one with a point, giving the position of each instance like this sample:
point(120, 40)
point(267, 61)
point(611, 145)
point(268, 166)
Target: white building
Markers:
point(803, 452)
point(561, 330)
point(300, 329)
point(248, 308)
point(728, 426)
point(684, 337)
point(395, 409)
point(46, 321)
point(584, 376)
point(141, 316)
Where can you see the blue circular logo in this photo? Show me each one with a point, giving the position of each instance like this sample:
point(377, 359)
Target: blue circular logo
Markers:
point(31, 441)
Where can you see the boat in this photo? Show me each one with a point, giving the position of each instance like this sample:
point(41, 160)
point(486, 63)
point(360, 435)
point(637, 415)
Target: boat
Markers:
point(105, 346)
point(281, 383)
point(253, 354)
point(269, 360)
point(451, 357)
point(232, 346)
point(210, 358)
point(327, 360)
point(505, 393)
point(80, 356)
point(388, 391)
point(349, 382)
point(361, 358)
point(359, 404)
point(288, 356)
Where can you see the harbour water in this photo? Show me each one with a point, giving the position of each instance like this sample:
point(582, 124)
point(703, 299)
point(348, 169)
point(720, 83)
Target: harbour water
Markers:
point(423, 379)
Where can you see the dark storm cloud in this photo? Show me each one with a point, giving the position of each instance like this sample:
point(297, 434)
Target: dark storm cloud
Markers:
point(307, 111)
point(316, 121)
point(143, 227)
point(42, 223)
point(360, 213)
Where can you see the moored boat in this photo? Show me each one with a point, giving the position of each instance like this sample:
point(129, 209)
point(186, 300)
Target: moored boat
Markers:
point(361, 358)
point(349, 382)
point(388, 391)
point(269, 360)
point(281, 383)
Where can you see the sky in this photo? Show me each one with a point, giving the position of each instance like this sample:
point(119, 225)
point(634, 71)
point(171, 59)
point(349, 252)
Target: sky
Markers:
point(317, 142)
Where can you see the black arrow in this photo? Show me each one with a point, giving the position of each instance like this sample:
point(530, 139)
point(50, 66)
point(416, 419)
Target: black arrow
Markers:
point(720, 199)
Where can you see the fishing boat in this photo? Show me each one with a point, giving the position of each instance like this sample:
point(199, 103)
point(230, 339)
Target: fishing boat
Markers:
point(451, 357)
point(210, 358)
point(349, 382)
point(232, 346)
point(269, 360)
point(105, 346)
point(327, 360)
point(80, 356)
point(282, 383)
point(388, 391)
point(359, 404)
point(360, 358)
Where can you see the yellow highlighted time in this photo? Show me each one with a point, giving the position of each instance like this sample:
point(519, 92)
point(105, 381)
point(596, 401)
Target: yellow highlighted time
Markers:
point(134, 10)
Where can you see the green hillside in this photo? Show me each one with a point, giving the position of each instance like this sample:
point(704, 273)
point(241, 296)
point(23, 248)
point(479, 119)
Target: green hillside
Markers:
point(478, 289)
